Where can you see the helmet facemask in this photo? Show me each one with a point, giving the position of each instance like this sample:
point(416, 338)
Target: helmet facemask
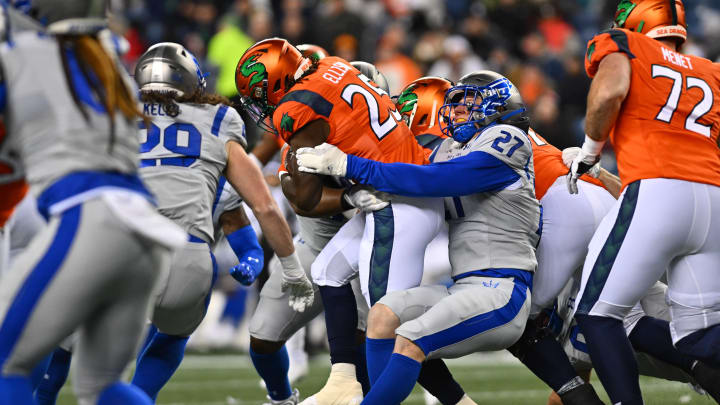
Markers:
point(258, 108)
point(470, 108)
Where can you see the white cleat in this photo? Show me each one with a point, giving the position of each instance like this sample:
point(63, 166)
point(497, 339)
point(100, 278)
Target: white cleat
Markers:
point(293, 400)
point(429, 398)
point(341, 388)
point(465, 400)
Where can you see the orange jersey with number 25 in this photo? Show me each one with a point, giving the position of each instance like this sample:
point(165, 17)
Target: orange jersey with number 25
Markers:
point(668, 125)
point(362, 118)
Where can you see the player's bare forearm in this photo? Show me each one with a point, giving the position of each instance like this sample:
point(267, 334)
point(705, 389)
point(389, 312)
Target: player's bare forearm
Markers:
point(247, 179)
point(330, 201)
point(308, 188)
point(607, 93)
point(611, 182)
point(232, 220)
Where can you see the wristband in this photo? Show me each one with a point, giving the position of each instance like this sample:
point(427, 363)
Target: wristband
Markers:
point(592, 147)
point(291, 262)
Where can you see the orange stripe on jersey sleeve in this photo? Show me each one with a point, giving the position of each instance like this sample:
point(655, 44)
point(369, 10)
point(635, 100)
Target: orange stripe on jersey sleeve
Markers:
point(602, 45)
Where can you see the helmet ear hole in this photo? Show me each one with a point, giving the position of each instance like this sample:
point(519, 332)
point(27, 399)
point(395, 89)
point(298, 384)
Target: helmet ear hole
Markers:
point(277, 85)
point(423, 120)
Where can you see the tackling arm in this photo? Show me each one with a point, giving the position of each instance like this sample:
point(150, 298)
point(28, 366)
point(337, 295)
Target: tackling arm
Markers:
point(475, 172)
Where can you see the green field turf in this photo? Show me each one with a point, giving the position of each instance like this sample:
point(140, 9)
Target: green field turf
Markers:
point(493, 380)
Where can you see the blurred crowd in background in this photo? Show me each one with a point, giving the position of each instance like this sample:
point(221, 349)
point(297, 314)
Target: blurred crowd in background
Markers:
point(538, 44)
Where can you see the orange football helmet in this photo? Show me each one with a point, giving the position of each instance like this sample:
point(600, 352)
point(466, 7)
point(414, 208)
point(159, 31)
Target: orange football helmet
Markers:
point(420, 101)
point(265, 73)
point(654, 18)
point(312, 51)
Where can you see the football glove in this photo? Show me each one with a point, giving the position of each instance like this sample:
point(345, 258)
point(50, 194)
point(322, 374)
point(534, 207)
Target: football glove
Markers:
point(322, 159)
point(569, 154)
point(365, 198)
point(296, 282)
point(588, 156)
point(246, 271)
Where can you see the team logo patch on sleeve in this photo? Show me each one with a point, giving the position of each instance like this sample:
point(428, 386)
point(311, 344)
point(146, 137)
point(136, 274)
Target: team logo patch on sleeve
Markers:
point(287, 123)
point(590, 51)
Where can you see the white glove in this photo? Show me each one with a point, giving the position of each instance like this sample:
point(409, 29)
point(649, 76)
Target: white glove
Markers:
point(588, 156)
point(569, 154)
point(365, 198)
point(295, 280)
point(322, 159)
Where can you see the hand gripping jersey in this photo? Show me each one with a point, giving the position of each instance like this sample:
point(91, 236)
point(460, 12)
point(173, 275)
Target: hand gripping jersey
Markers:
point(549, 165)
point(183, 157)
point(668, 124)
point(363, 120)
point(500, 229)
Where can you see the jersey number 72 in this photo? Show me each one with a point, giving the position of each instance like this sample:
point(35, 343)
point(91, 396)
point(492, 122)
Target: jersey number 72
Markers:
point(700, 109)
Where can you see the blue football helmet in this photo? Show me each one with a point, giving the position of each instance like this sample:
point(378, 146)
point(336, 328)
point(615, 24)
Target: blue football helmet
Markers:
point(478, 100)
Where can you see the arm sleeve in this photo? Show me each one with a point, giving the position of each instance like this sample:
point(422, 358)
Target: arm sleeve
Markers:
point(475, 172)
point(602, 45)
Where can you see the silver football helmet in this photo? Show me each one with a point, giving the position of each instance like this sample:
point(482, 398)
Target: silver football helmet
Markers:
point(66, 17)
point(372, 73)
point(168, 66)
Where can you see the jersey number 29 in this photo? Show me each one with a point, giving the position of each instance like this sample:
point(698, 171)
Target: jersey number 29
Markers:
point(188, 153)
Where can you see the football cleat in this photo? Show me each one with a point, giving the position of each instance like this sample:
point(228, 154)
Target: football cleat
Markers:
point(342, 388)
point(708, 378)
point(293, 400)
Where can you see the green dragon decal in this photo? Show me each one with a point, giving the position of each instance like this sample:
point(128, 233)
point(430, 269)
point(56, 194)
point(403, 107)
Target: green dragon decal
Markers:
point(623, 11)
point(590, 51)
point(254, 70)
point(287, 123)
point(407, 99)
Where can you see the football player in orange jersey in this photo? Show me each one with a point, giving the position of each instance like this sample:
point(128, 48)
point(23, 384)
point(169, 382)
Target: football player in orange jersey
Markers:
point(310, 102)
point(655, 105)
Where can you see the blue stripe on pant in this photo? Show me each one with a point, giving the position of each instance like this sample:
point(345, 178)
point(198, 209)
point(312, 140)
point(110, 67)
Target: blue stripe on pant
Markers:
point(384, 227)
point(606, 258)
point(29, 294)
point(212, 283)
point(477, 324)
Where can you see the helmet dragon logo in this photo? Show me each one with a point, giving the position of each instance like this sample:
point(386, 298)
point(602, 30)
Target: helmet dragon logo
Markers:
point(623, 11)
point(254, 70)
point(407, 99)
